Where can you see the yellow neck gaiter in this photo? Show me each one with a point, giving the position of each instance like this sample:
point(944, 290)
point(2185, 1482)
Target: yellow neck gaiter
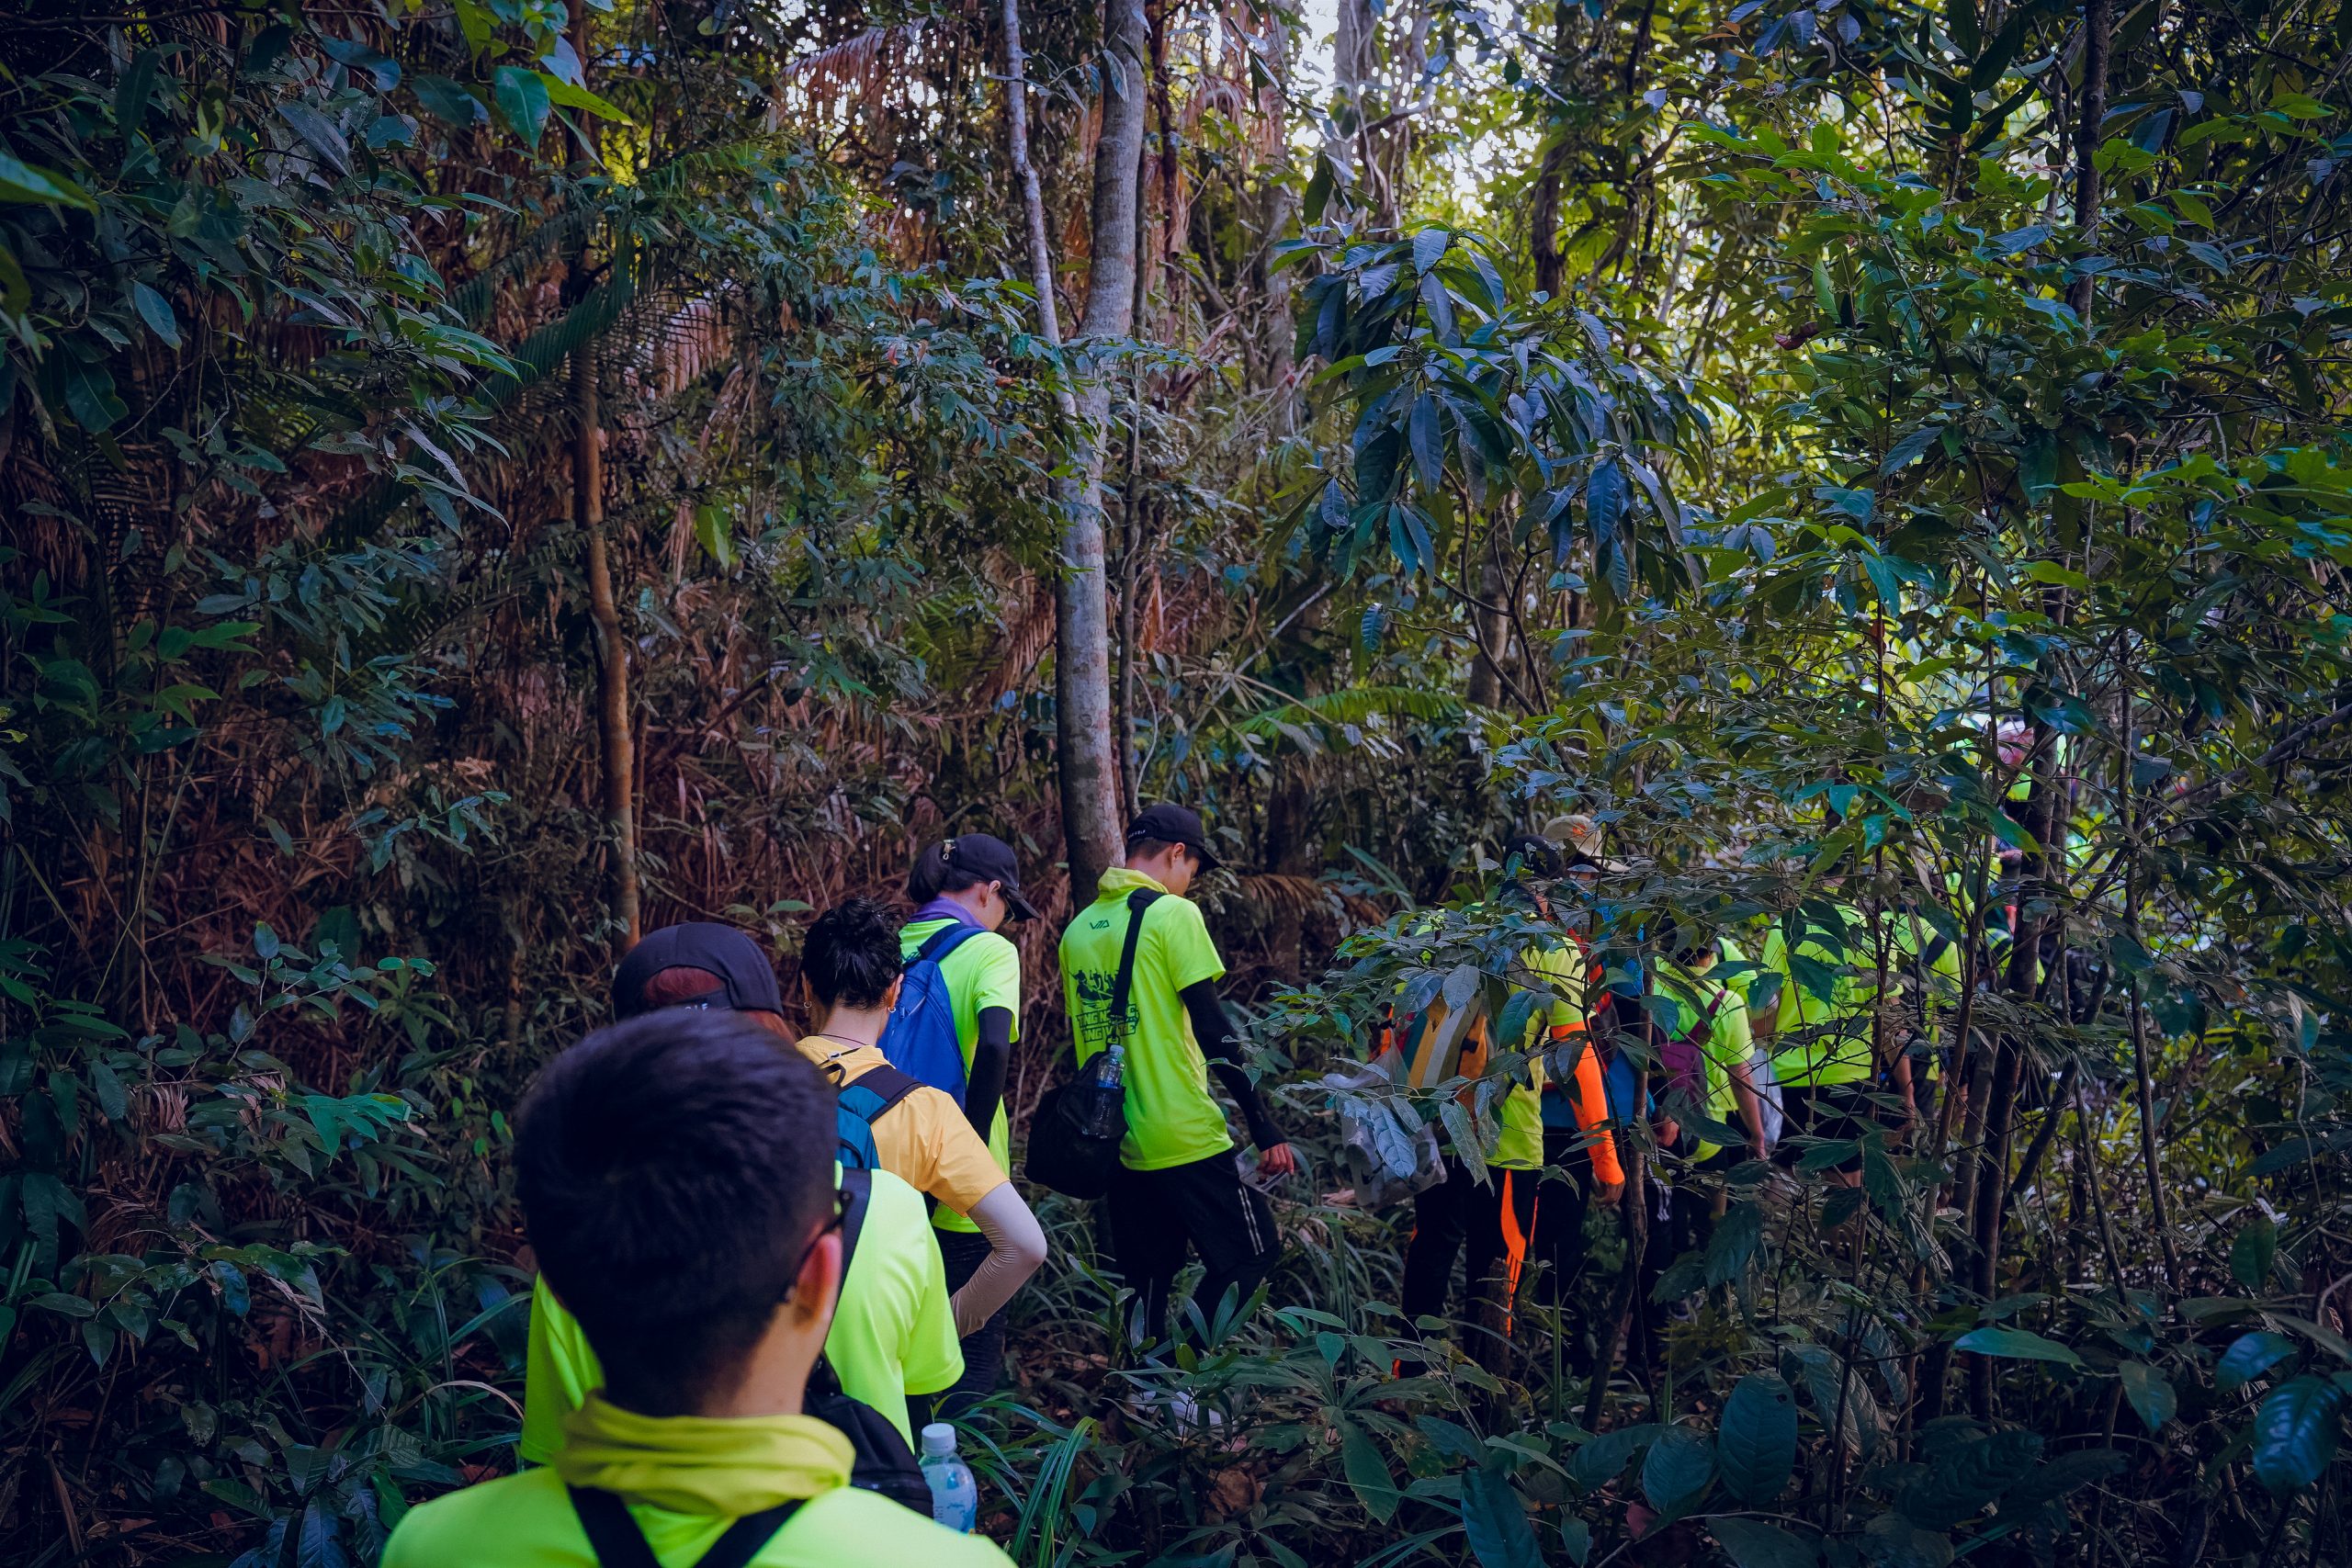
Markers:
point(700, 1465)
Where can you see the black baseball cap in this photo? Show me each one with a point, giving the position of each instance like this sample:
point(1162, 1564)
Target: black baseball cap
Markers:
point(1173, 824)
point(725, 954)
point(988, 858)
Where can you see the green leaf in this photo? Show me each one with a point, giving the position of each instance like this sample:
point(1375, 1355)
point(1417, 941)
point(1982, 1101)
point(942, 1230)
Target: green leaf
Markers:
point(64, 1306)
point(318, 133)
point(2149, 1392)
point(356, 56)
point(105, 1086)
point(90, 396)
point(1679, 1468)
point(1756, 1442)
point(2254, 1252)
point(521, 99)
point(21, 181)
point(1426, 432)
point(573, 96)
point(1429, 247)
point(1368, 1473)
point(1825, 293)
point(2249, 1357)
point(1752, 1543)
point(156, 311)
point(1495, 1520)
point(1968, 1478)
point(2295, 1433)
point(1905, 451)
point(1892, 1541)
point(2017, 1344)
point(447, 100)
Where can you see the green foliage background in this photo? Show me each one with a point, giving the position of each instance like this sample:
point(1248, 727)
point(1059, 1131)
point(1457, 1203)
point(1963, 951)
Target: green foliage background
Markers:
point(1882, 376)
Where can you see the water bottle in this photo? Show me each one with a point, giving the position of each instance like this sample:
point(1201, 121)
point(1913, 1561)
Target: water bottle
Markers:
point(1105, 1111)
point(955, 1497)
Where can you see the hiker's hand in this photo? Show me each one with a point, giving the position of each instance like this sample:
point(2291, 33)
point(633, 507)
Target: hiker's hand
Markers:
point(1607, 1191)
point(1669, 1132)
point(1280, 1160)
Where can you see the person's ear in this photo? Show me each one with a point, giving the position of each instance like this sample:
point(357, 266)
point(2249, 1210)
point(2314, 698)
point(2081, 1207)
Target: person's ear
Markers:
point(890, 997)
point(820, 1281)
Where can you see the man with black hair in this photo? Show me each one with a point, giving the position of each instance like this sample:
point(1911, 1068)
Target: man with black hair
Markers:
point(1178, 1185)
point(894, 1328)
point(677, 1183)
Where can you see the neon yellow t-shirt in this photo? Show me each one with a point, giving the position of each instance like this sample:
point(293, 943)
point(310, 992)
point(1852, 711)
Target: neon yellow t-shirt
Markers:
point(686, 1480)
point(1560, 970)
point(893, 1334)
point(1172, 1118)
point(1729, 1041)
point(1827, 1040)
point(983, 972)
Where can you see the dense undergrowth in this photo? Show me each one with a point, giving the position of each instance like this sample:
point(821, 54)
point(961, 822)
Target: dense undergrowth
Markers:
point(1883, 457)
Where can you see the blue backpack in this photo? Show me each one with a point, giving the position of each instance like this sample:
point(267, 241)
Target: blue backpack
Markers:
point(859, 1104)
point(919, 1039)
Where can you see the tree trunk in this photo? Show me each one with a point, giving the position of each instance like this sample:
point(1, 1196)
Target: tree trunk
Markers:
point(2097, 28)
point(615, 743)
point(1090, 825)
point(1544, 212)
point(1278, 210)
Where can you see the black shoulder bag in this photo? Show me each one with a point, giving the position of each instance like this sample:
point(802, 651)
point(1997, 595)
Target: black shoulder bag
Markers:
point(1065, 1153)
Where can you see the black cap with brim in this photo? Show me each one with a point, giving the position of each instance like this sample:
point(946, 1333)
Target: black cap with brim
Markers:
point(725, 953)
point(1173, 824)
point(988, 858)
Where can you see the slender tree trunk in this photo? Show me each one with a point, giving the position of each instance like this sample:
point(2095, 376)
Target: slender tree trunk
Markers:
point(1091, 824)
point(615, 742)
point(1544, 213)
point(1032, 199)
point(2098, 28)
point(1279, 210)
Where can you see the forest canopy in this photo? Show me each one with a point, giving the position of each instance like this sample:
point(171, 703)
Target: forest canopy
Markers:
point(488, 479)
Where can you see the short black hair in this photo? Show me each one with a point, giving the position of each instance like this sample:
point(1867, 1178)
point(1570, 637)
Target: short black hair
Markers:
point(673, 1169)
point(1146, 846)
point(852, 954)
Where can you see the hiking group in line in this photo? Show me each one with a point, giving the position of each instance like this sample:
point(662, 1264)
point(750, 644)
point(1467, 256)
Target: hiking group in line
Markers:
point(773, 1266)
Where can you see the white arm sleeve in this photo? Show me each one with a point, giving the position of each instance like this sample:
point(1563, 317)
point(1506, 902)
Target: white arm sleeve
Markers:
point(1016, 1248)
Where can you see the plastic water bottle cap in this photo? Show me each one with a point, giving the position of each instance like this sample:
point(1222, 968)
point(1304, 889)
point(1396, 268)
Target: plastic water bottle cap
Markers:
point(939, 1438)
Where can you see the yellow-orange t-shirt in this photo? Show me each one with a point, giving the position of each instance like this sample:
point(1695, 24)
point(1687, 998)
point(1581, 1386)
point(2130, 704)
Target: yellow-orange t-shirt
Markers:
point(924, 1140)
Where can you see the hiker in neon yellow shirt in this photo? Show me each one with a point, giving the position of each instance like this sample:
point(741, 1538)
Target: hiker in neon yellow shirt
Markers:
point(1491, 1223)
point(893, 1334)
point(1179, 1185)
point(676, 1177)
point(972, 882)
point(1821, 1023)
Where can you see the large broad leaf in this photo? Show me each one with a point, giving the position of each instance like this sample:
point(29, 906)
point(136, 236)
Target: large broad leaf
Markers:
point(1755, 1444)
point(1751, 1543)
point(2018, 1343)
point(1679, 1469)
point(22, 181)
point(2296, 1432)
point(1495, 1520)
point(1429, 245)
point(2149, 1392)
point(521, 99)
point(1968, 1478)
point(1426, 431)
point(2254, 1252)
point(1598, 1462)
point(2249, 1357)
point(1369, 1473)
point(1892, 1541)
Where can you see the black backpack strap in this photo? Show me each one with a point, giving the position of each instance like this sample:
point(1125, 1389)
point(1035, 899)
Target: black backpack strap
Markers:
point(857, 1196)
point(891, 1084)
point(1123, 984)
point(615, 1538)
